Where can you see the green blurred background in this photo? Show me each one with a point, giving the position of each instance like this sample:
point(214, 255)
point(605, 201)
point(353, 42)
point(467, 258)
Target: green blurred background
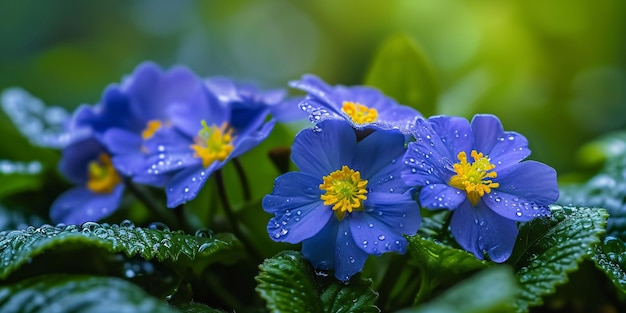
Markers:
point(554, 71)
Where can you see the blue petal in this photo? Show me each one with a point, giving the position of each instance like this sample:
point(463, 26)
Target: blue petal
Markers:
point(321, 152)
point(76, 158)
point(525, 191)
point(479, 230)
point(441, 196)
point(503, 148)
point(349, 257)
point(303, 219)
point(376, 234)
point(79, 205)
point(397, 211)
point(288, 110)
point(291, 185)
point(185, 185)
point(379, 152)
point(315, 87)
point(454, 133)
point(246, 141)
point(320, 249)
point(169, 150)
point(188, 116)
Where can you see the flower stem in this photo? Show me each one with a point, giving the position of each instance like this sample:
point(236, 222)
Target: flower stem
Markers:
point(230, 215)
point(245, 187)
point(162, 214)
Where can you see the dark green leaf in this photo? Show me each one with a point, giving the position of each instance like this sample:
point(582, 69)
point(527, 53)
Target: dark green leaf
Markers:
point(605, 190)
point(80, 294)
point(440, 264)
point(548, 248)
point(610, 257)
point(490, 291)
point(18, 247)
point(401, 71)
point(194, 307)
point(286, 283)
point(357, 296)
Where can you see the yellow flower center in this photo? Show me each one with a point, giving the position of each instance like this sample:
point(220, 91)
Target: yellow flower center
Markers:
point(359, 113)
point(101, 176)
point(474, 178)
point(213, 143)
point(344, 190)
point(151, 128)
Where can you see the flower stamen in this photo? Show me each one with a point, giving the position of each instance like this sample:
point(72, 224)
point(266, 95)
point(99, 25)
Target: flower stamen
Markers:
point(474, 178)
point(213, 143)
point(360, 114)
point(101, 176)
point(344, 190)
point(151, 128)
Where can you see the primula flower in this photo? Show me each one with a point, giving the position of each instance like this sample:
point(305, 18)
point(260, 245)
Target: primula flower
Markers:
point(205, 138)
point(347, 201)
point(247, 102)
point(476, 171)
point(132, 111)
point(87, 164)
point(363, 107)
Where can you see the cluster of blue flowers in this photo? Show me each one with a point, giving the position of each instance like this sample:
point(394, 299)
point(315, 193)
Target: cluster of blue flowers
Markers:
point(366, 168)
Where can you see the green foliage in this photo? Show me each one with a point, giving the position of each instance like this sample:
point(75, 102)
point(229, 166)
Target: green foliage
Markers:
point(440, 264)
point(80, 294)
point(610, 257)
point(401, 71)
point(547, 249)
point(490, 291)
point(288, 284)
point(19, 247)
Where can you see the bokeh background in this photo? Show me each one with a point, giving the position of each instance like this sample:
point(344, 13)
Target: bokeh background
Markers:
point(554, 71)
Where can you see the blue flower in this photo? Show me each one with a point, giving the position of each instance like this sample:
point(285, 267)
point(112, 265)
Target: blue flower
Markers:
point(363, 107)
point(131, 112)
point(247, 102)
point(347, 201)
point(205, 138)
point(476, 171)
point(87, 164)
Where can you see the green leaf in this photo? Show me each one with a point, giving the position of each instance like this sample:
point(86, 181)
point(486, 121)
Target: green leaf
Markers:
point(611, 146)
point(605, 190)
point(548, 248)
point(440, 264)
point(490, 291)
point(194, 307)
point(400, 70)
point(610, 257)
point(19, 247)
point(80, 294)
point(288, 284)
point(357, 297)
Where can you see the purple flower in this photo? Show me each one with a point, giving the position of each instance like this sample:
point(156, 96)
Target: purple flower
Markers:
point(132, 111)
point(87, 164)
point(476, 171)
point(247, 102)
point(205, 138)
point(347, 201)
point(363, 107)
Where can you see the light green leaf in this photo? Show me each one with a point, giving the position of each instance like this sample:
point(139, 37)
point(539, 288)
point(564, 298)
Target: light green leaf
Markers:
point(547, 249)
point(440, 264)
point(489, 291)
point(80, 294)
point(611, 146)
point(610, 257)
point(286, 283)
point(19, 247)
point(400, 70)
